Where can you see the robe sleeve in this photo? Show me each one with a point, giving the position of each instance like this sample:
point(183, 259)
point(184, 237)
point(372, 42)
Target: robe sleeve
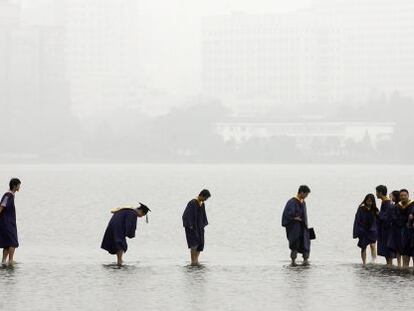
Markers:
point(288, 213)
point(189, 216)
point(4, 201)
point(205, 220)
point(130, 225)
point(355, 232)
point(385, 214)
point(305, 215)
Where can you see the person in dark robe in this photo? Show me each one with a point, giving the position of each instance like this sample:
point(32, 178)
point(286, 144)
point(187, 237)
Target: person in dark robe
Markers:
point(122, 225)
point(8, 228)
point(384, 225)
point(411, 230)
point(295, 220)
point(194, 221)
point(365, 227)
point(395, 197)
point(401, 237)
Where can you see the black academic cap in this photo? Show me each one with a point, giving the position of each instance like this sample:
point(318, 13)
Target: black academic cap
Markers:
point(145, 209)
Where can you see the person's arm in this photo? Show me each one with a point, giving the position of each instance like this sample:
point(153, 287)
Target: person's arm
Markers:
point(189, 216)
point(3, 204)
point(130, 225)
point(289, 213)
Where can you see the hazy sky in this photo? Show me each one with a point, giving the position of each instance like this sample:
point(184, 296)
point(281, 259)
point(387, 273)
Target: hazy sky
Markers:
point(170, 34)
point(173, 50)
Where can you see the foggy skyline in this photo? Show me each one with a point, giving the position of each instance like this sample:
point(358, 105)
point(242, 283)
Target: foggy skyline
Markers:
point(243, 76)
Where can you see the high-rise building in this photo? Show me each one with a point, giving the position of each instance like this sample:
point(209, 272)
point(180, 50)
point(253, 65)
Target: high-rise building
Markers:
point(337, 52)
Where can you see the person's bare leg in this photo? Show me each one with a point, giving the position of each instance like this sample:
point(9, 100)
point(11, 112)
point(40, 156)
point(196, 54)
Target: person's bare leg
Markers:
point(389, 262)
point(293, 255)
point(119, 258)
point(5, 255)
point(406, 261)
point(398, 260)
point(305, 259)
point(197, 256)
point(11, 255)
point(364, 256)
point(194, 257)
point(373, 248)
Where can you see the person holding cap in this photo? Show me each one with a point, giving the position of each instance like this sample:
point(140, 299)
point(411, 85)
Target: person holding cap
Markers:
point(122, 225)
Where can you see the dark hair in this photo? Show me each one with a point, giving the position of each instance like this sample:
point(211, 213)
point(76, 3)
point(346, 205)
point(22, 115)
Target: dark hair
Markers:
point(404, 190)
point(304, 189)
point(396, 195)
point(382, 189)
point(374, 208)
point(144, 208)
point(14, 182)
point(205, 193)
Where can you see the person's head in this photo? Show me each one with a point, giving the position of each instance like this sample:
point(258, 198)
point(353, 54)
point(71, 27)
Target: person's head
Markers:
point(395, 196)
point(404, 195)
point(204, 195)
point(142, 211)
point(369, 201)
point(381, 191)
point(303, 192)
point(14, 184)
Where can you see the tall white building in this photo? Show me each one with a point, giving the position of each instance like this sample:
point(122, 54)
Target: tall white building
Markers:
point(377, 45)
point(337, 52)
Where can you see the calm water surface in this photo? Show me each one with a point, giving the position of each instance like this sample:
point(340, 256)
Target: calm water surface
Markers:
point(63, 210)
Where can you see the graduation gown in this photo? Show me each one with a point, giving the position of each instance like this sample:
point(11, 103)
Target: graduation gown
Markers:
point(384, 228)
point(8, 227)
point(194, 220)
point(401, 235)
point(411, 230)
point(365, 227)
point(122, 225)
point(296, 231)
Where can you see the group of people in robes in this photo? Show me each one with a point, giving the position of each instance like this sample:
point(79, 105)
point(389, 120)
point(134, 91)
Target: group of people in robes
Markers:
point(389, 230)
point(123, 224)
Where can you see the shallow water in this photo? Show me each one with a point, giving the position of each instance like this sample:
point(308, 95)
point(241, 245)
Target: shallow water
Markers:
point(62, 213)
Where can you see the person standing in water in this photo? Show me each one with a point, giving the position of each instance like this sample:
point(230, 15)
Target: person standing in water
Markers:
point(194, 220)
point(395, 197)
point(365, 227)
point(401, 237)
point(384, 225)
point(295, 220)
point(8, 228)
point(122, 225)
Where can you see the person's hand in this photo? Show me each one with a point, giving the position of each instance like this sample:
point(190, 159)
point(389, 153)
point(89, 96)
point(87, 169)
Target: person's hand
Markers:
point(298, 218)
point(411, 217)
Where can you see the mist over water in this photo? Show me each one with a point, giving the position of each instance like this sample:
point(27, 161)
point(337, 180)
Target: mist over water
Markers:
point(105, 103)
point(218, 82)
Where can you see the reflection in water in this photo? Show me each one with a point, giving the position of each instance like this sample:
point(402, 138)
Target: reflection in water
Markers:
point(194, 284)
point(296, 280)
